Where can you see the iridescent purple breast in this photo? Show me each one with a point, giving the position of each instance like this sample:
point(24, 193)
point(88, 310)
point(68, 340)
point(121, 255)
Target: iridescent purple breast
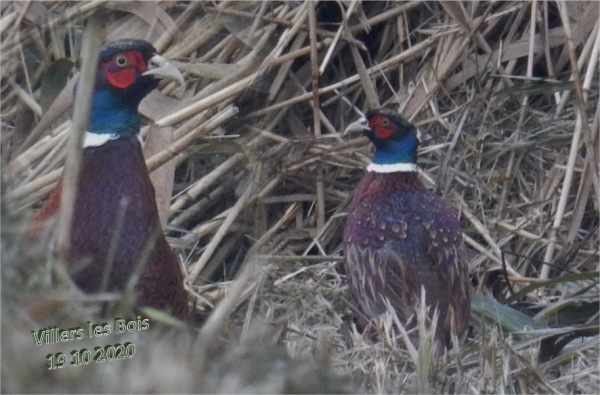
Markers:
point(399, 237)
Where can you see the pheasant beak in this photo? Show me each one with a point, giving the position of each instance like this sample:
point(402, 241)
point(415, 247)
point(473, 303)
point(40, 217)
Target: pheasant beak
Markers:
point(360, 125)
point(161, 68)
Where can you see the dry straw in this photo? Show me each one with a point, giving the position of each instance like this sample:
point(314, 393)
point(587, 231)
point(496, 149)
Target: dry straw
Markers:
point(505, 96)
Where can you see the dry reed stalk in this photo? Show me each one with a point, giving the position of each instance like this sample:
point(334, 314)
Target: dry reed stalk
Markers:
point(182, 143)
point(491, 89)
point(223, 228)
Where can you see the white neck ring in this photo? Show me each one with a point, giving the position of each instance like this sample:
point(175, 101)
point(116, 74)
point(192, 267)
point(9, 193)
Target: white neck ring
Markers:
point(392, 168)
point(97, 139)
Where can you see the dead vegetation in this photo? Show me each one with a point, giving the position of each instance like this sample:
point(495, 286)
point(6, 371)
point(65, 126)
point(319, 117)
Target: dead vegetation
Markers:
point(505, 96)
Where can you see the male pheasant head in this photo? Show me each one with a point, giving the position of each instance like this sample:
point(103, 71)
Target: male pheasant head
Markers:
point(127, 71)
point(394, 138)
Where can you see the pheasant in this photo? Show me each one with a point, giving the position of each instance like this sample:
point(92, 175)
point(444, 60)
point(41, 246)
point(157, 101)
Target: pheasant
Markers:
point(400, 237)
point(116, 236)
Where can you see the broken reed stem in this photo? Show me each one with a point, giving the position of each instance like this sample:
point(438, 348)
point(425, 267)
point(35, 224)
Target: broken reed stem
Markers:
point(18, 194)
point(73, 13)
point(197, 267)
point(184, 142)
point(201, 185)
point(289, 213)
point(209, 334)
point(314, 73)
point(580, 125)
point(405, 56)
point(90, 54)
point(209, 101)
point(522, 112)
point(563, 200)
point(591, 151)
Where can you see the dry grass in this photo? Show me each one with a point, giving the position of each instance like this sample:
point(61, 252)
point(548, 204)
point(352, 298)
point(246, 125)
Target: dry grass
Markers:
point(505, 96)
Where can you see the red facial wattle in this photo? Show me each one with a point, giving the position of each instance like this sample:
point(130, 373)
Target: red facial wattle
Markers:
point(123, 76)
point(381, 126)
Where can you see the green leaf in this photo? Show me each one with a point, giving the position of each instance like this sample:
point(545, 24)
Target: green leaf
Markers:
point(509, 319)
point(158, 316)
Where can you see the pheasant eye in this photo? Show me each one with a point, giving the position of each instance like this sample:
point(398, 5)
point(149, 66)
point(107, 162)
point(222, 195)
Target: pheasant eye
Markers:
point(121, 60)
point(383, 128)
